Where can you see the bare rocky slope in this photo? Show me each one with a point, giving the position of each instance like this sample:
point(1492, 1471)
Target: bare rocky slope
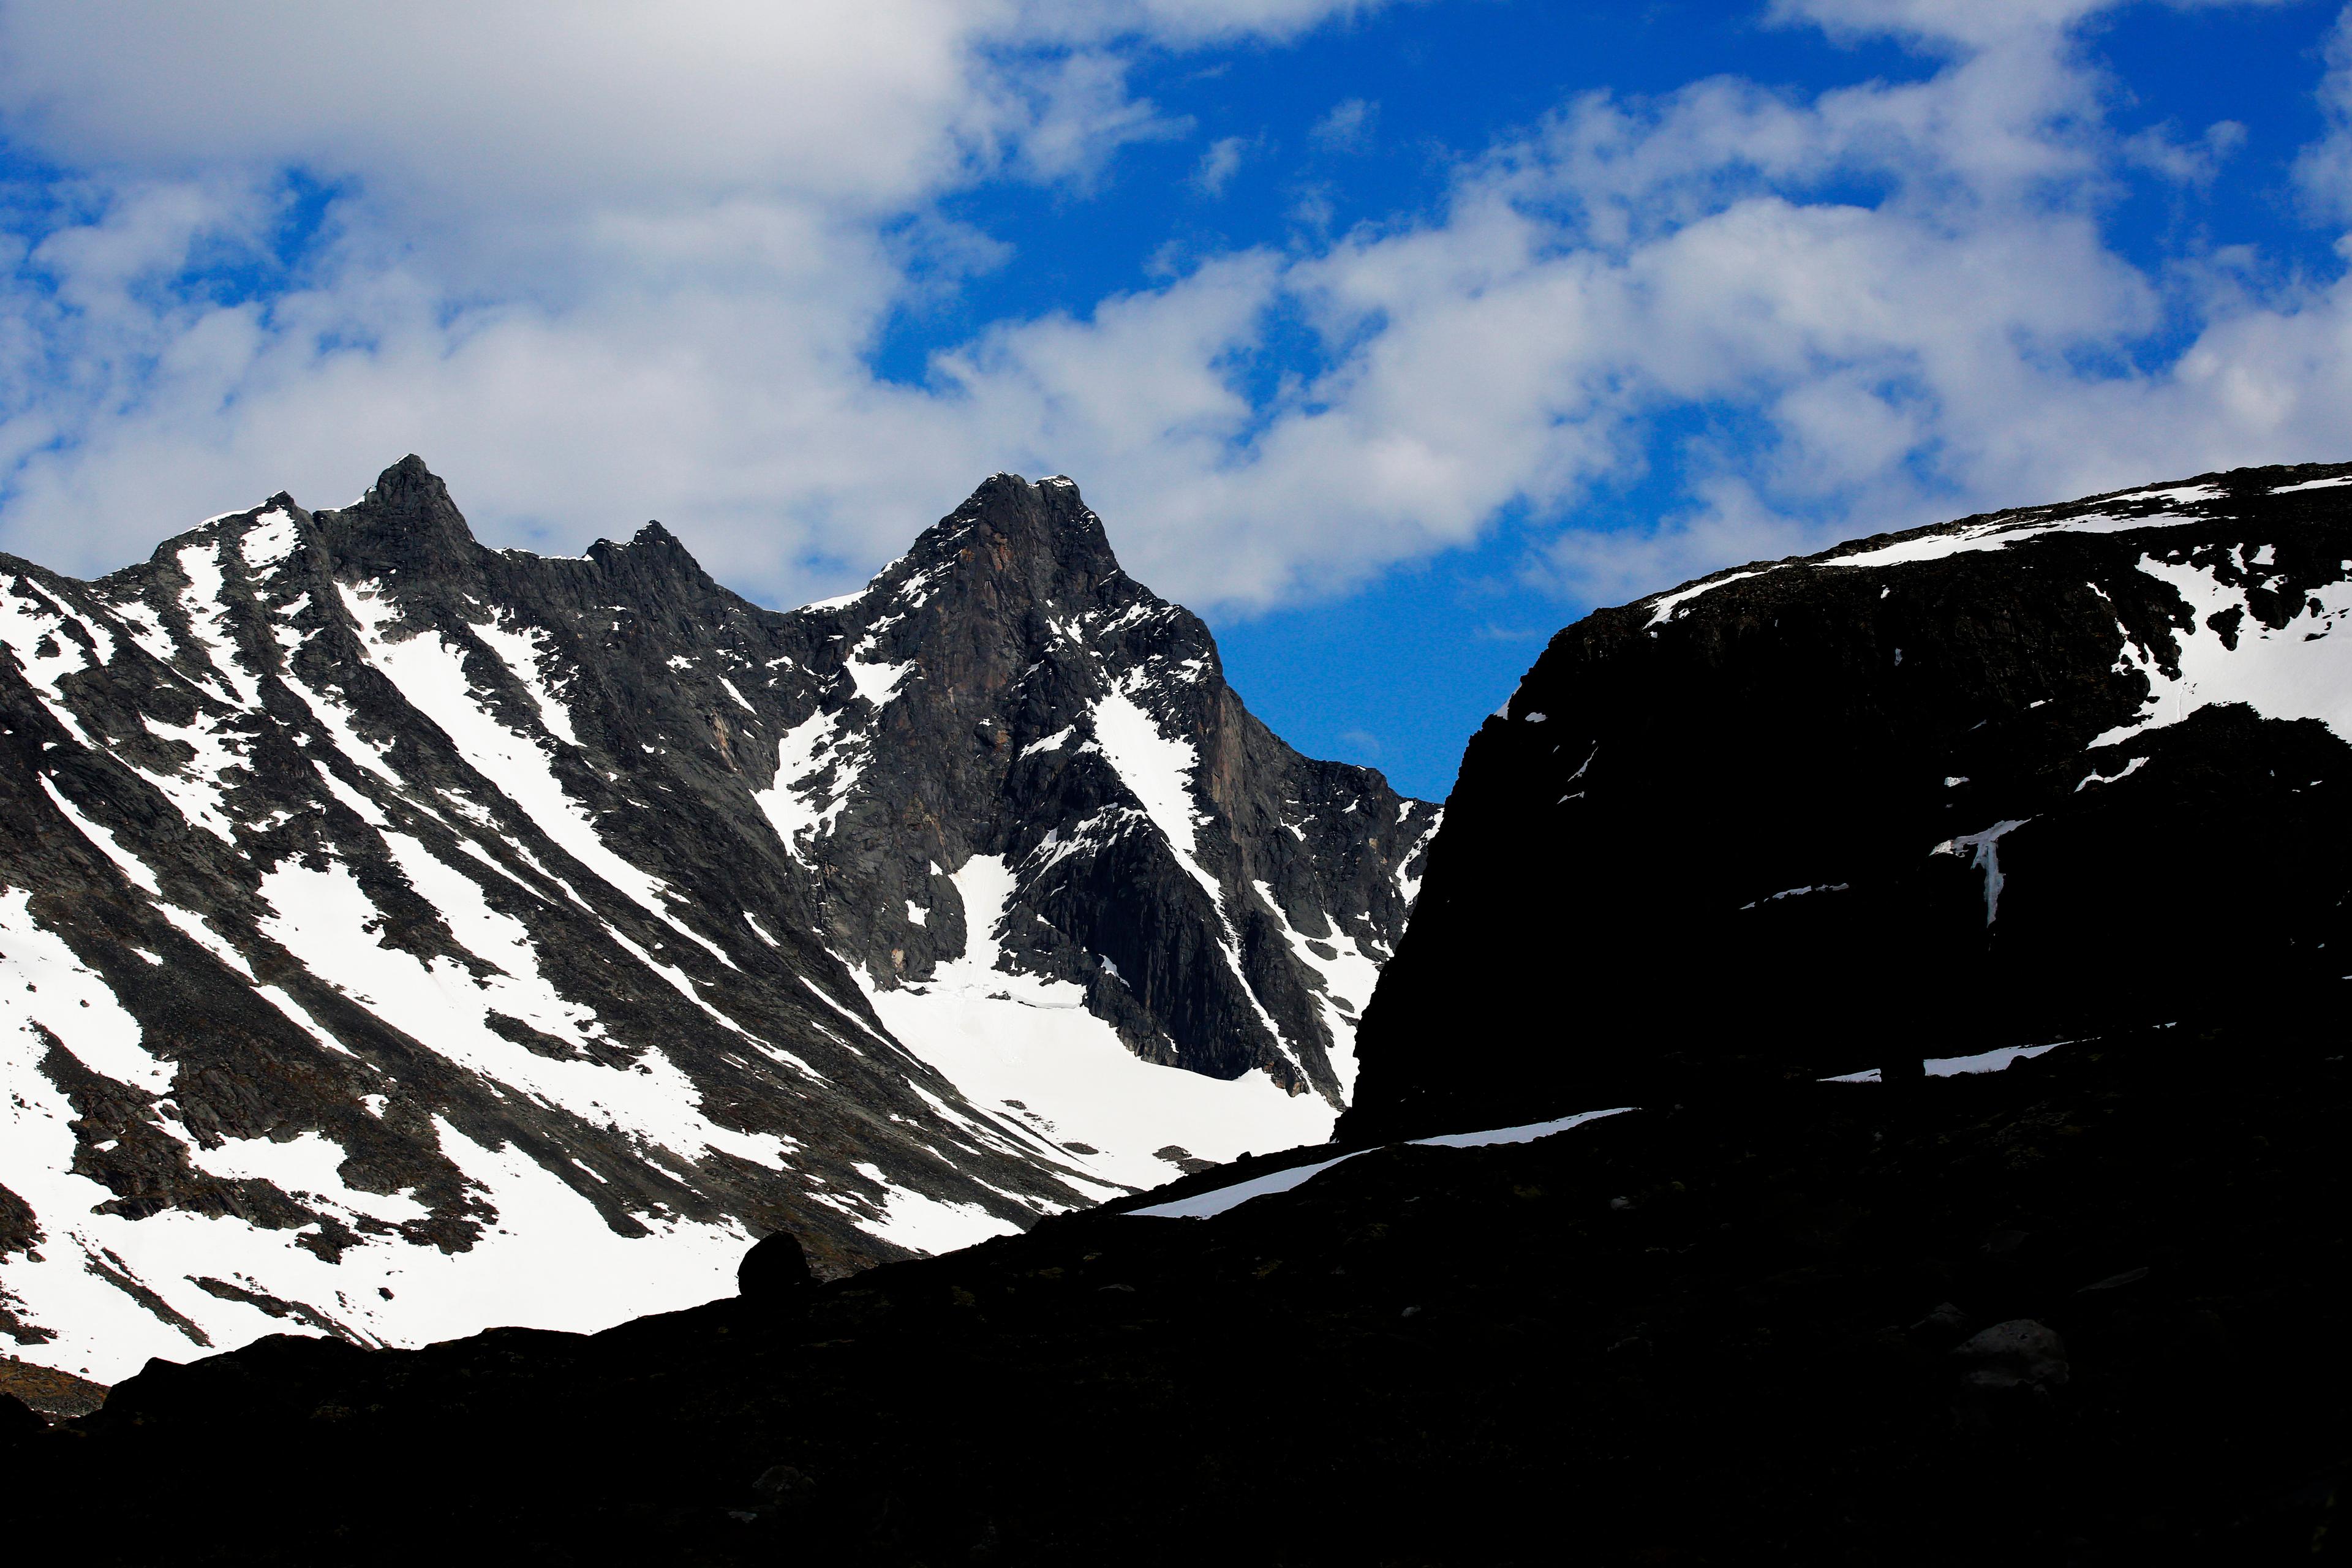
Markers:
point(403, 936)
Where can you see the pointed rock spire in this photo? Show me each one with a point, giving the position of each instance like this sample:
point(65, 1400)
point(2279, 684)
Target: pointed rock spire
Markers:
point(406, 521)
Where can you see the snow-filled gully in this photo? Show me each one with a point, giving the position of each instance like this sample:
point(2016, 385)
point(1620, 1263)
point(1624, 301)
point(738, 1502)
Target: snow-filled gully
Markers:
point(1223, 1200)
point(1000, 1037)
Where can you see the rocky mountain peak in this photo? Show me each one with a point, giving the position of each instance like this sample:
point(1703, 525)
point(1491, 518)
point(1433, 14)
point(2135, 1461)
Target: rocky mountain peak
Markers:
point(409, 482)
point(1038, 543)
point(444, 921)
point(406, 521)
point(1004, 692)
point(406, 510)
point(656, 573)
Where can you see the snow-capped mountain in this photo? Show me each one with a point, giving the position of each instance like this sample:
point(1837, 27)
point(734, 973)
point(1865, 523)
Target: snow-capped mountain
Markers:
point(401, 936)
point(1997, 781)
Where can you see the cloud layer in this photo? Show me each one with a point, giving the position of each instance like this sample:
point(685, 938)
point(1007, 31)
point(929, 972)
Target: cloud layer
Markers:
point(639, 268)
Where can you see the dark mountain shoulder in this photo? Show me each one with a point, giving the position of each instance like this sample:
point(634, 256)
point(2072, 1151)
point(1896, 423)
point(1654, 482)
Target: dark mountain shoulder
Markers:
point(1958, 777)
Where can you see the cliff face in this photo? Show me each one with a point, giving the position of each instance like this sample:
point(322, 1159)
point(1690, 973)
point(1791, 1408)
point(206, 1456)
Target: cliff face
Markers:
point(1989, 784)
point(1005, 694)
point(403, 936)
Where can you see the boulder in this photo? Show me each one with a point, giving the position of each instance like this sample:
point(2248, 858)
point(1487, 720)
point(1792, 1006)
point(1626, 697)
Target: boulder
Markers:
point(2018, 1352)
point(775, 1267)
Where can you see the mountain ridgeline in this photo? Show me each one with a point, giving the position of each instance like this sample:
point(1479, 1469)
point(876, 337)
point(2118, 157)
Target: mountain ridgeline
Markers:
point(2002, 782)
point(407, 936)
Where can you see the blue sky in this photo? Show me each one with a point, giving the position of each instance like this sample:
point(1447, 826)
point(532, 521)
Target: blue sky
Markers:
point(1391, 336)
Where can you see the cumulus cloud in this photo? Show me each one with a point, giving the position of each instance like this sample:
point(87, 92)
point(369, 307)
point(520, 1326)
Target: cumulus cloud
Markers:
point(487, 110)
point(628, 265)
point(646, 278)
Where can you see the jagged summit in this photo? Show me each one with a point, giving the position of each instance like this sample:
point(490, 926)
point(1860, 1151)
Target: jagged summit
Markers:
point(655, 536)
point(1007, 658)
point(405, 520)
point(468, 935)
point(1041, 542)
point(412, 472)
point(1042, 532)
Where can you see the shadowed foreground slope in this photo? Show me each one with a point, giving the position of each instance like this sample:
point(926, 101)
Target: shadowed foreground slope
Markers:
point(1704, 1336)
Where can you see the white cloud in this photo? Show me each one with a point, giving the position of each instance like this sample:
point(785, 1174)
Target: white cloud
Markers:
point(1965, 23)
point(1964, 341)
point(2324, 169)
point(1083, 116)
point(440, 102)
point(2196, 162)
point(1349, 127)
point(624, 266)
point(665, 306)
point(1206, 21)
point(1219, 164)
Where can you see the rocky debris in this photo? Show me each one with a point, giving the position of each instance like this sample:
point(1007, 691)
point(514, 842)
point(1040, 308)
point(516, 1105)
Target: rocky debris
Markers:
point(2008, 781)
point(780, 1485)
point(2116, 1281)
point(2018, 1354)
point(1943, 1326)
point(1567, 1362)
point(48, 1390)
point(2011, 1371)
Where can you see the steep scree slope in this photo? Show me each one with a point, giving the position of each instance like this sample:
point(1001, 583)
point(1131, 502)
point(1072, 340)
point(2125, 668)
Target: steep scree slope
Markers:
point(2006, 780)
point(399, 936)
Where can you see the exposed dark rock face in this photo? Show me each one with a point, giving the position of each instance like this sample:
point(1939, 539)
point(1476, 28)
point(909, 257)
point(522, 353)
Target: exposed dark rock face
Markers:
point(2009, 780)
point(444, 922)
point(1031, 701)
